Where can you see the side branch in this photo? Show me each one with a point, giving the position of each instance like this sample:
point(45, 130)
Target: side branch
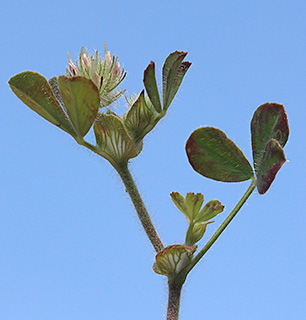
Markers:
point(181, 277)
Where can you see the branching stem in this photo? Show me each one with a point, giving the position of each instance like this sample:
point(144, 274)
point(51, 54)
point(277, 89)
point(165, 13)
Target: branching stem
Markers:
point(217, 234)
point(175, 284)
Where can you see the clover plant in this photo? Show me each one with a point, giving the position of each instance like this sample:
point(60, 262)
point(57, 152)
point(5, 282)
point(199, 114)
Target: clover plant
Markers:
point(82, 99)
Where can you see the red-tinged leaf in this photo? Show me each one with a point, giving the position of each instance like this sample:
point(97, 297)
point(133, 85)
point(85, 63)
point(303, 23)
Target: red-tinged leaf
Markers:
point(35, 91)
point(210, 210)
point(194, 203)
point(272, 160)
point(269, 122)
point(174, 70)
point(215, 156)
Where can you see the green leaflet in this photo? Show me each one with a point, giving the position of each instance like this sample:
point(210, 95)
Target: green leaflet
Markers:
point(210, 210)
point(149, 81)
point(35, 91)
point(214, 156)
point(194, 203)
point(81, 99)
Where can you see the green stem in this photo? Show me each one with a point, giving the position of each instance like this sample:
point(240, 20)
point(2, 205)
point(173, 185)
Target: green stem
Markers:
point(217, 234)
point(141, 210)
point(174, 301)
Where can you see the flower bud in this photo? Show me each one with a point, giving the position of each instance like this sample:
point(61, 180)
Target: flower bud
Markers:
point(116, 70)
point(73, 69)
point(108, 58)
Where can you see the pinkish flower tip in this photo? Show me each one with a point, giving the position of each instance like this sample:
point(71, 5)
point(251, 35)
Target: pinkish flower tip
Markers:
point(73, 68)
point(85, 60)
point(117, 69)
point(108, 58)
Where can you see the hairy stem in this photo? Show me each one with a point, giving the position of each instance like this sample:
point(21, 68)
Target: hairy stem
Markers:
point(142, 212)
point(174, 300)
point(131, 188)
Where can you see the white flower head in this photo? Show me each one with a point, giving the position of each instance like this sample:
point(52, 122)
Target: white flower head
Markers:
point(105, 73)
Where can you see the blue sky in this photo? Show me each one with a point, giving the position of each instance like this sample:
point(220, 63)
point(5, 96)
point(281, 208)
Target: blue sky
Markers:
point(71, 247)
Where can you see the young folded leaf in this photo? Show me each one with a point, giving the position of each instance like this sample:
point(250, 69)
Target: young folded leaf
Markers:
point(272, 160)
point(82, 101)
point(174, 70)
point(35, 91)
point(140, 119)
point(198, 220)
point(215, 156)
point(190, 205)
point(196, 232)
